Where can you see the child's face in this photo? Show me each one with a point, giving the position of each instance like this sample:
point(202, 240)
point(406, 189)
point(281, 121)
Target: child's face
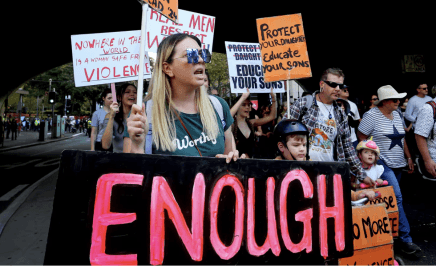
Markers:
point(297, 147)
point(367, 156)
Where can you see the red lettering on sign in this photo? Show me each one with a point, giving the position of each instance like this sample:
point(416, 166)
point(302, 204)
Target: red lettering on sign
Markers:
point(88, 78)
point(109, 72)
point(164, 30)
point(162, 199)
point(194, 21)
point(336, 212)
point(154, 12)
point(272, 240)
point(302, 216)
point(153, 41)
point(103, 218)
point(223, 251)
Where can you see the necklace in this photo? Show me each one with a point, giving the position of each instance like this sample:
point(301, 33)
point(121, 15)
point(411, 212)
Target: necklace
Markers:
point(330, 114)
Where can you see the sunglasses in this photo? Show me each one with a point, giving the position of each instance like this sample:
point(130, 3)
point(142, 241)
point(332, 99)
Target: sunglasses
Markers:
point(334, 84)
point(395, 100)
point(374, 99)
point(194, 54)
point(424, 88)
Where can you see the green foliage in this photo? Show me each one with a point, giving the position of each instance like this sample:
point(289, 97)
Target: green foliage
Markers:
point(63, 82)
point(219, 73)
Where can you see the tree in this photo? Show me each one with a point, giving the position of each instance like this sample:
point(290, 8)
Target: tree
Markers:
point(63, 81)
point(219, 73)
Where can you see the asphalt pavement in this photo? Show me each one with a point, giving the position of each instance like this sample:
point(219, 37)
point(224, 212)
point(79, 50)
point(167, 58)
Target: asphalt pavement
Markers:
point(24, 225)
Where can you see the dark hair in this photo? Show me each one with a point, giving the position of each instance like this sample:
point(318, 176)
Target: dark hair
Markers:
point(119, 117)
point(333, 71)
point(104, 95)
point(208, 77)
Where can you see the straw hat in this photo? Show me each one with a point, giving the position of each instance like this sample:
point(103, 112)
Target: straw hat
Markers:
point(388, 92)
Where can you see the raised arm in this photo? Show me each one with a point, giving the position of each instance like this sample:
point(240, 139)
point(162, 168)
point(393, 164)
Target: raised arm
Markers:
point(235, 107)
point(272, 115)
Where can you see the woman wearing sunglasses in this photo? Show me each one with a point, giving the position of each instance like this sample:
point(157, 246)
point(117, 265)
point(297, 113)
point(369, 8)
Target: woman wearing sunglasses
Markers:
point(385, 124)
point(184, 121)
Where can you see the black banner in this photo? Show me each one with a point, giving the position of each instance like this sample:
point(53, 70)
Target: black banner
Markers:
point(109, 207)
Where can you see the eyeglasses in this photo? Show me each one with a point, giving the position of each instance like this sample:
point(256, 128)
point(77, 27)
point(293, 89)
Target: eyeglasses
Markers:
point(334, 84)
point(194, 54)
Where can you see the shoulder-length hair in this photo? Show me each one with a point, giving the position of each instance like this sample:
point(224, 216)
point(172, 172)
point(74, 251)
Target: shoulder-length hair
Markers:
point(164, 128)
point(119, 117)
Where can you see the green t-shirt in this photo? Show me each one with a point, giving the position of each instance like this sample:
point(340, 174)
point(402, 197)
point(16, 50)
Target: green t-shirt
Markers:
point(208, 147)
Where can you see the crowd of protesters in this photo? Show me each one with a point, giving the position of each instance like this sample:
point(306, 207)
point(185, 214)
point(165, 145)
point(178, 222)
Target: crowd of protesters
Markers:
point(378, 138)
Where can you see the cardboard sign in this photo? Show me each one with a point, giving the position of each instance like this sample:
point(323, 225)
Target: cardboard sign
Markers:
point(245, 69)
point(390, 201)
point(371, 226)
point(283, 48)
point(372, 237)
point(383, 255)
point(199, 25)
point(168, 8)
point(113, 208)
point(107, 58)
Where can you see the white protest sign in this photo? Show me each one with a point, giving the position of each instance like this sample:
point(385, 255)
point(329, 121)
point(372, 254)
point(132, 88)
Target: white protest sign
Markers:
point(245, 69)
point(103, 58)
point(199, 25)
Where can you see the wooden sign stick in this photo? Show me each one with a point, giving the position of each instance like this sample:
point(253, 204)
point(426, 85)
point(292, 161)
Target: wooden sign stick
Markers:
point(114, 93)
point(141, 54)
point(288, 97)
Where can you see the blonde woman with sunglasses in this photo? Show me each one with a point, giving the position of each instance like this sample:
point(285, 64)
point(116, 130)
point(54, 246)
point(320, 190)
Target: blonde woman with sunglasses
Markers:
point(184, 121)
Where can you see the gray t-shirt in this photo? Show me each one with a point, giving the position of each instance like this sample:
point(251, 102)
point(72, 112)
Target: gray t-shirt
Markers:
point(98, 122)
point(118, 136)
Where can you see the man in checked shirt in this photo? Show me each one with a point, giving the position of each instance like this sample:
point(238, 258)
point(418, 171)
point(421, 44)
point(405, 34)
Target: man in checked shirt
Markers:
point(329, 137)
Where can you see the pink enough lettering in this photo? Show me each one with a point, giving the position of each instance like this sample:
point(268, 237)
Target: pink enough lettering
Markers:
point(302, 216)
point(162, 199)
point(103, 217)
point(272, 239)
point(222, 250)
point(336, 212)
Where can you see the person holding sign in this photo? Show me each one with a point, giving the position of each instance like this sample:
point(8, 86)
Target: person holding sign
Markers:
point(327, 123)
point(243, 128)
point(183, 118)
point(116, 119)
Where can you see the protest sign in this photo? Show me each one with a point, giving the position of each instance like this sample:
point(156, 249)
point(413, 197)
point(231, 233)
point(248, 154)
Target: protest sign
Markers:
point(109, 208)
point(390, 201)
point(199, 25)
point(245, 69)
point(283, 48)
point(168, 8)
point(373, 242)
point(103, 58)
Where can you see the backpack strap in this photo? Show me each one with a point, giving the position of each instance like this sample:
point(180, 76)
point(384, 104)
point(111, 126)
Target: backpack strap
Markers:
point(433, 105)
point(148, 110)
point(309, 101)
point(219, 108)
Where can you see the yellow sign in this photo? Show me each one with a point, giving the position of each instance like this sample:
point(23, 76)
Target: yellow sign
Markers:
point(283, 48)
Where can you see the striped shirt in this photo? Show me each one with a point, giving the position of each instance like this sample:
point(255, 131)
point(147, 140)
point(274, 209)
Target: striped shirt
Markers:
point(387, 134)
point(424, 125)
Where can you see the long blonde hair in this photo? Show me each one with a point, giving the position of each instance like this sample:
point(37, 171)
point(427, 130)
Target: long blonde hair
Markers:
point(163, 118)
